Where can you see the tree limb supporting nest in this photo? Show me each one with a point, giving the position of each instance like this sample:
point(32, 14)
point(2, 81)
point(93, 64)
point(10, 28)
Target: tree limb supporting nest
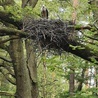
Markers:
point(53, 34)
point(56, 34)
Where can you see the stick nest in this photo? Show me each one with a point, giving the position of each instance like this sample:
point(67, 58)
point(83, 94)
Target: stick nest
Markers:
point(50, 33)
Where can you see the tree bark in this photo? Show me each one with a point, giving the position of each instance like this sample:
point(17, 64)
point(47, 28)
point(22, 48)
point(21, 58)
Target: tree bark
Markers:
point(71, 82)
point(30, 2)
point(94, 4)
point(23, 82)
point(5, 18)
point(32, 68)
point(82, 81)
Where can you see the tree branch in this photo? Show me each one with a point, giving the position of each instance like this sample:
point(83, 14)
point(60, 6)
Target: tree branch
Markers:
point(3, 93)
point(7, 17)
point(4, 47)
point(8, 77)
point(91, 37)
point(4, 41)
point(86, 28)
point(9, 69)
point(10, 31)
point(5, 59)
point(54, 36)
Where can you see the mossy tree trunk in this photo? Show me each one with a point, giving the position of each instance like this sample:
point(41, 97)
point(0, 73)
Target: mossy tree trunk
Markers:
point(32, 67)
point(23, 78)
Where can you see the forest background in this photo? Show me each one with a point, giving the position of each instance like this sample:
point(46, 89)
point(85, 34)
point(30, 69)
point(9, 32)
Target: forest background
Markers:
point(28, 70)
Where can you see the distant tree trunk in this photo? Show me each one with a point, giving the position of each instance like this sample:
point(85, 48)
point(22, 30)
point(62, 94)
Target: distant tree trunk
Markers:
point(82, 81)
point(94, 3)
point(71, 82)
point(30, 2)
point(96, 80)
point(0, 83)
point(74, 14)
point(86, 75)
point(95, 15)
point(96, 73)
point(23, 81)
point(54, 89)
point(44, 76)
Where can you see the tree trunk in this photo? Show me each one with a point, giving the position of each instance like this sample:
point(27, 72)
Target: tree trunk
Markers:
point(95, 15)
point(82, 81)
point(30, 2)
point(23, 81)
point(75, 7)
point(86, 75)
point(95, 11)
point(32, 68)
point(96, 80)
point(71, 82)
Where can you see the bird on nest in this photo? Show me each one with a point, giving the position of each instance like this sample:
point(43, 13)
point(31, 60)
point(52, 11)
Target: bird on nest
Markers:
point(44, 12)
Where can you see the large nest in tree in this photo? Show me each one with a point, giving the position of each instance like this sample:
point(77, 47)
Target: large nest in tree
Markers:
point(50, 33)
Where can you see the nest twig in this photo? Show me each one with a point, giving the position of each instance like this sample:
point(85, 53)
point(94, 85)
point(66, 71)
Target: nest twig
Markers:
point(50, 33)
